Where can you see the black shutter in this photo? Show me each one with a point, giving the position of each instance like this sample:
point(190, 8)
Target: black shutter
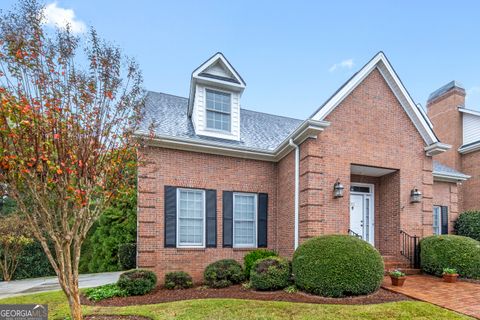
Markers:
point(444, 220)
point(262, 227)
point(170, 217)
point(211, 216)
point(227, 219)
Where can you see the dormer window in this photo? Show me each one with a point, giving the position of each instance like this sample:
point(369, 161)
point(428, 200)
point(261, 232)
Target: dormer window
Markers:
point(214, 103)
point(218, 109)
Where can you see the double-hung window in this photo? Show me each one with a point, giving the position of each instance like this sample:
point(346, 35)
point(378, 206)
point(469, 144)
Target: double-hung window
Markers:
point(244, 220)
point(437, 220)
point(190, 218)
point(218, 105)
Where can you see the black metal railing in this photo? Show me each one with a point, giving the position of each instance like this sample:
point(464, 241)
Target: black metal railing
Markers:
point(353, 233)
point(410, 248)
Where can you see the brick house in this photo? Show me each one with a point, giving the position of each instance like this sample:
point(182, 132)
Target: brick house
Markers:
point(218, 180)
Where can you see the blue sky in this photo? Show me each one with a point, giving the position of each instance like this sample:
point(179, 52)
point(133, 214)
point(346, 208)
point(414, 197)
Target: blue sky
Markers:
point(293, 55)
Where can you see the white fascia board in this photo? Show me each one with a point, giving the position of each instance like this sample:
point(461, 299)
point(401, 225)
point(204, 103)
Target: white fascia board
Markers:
point(418, 120)
point(204, 146)
point(449, 177)
point(308, 129)
point(470, 148)
point(469, 111)
point(436, 148)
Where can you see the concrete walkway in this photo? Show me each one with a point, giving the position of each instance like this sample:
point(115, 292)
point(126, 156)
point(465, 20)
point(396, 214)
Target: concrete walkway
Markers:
point(462, 297)
point(28, 286)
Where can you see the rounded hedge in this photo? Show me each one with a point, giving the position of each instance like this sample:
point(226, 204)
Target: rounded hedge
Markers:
point(270, 273)
point(253, 256)
point(450, 251)
point(223, 273)
point(468, 224)
point(137, 282)
point(337, 266)
point(178, 280)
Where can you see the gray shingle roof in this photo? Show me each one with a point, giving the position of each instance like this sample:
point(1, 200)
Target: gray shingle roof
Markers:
point(258, 130)
point(440, 168)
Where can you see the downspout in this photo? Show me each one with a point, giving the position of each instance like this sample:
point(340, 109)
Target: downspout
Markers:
point(297, 188)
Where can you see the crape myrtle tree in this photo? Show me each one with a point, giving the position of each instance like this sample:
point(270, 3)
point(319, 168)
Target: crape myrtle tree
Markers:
point(69, 107)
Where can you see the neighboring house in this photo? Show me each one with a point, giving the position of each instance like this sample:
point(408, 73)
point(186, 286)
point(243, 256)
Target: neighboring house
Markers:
point(218, 180)
point(460, 127)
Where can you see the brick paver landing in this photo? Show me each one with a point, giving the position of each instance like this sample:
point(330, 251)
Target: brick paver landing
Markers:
point(462, 297)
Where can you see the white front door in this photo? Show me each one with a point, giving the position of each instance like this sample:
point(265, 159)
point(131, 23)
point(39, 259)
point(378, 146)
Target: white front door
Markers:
point(361, 211)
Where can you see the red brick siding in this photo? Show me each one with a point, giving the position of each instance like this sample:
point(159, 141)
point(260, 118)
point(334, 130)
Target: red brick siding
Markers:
point(194, 170)
point(445, 194)
point(447, 124)
point(285, 206)
point(368, 128)
point(470, 189)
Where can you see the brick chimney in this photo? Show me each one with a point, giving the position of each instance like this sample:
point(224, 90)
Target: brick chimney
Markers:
point(442, 109)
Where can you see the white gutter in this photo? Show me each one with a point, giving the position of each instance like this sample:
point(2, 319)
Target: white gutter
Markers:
point(470, 148)
point(437, 176)
point(308, 129)
point(297, 188)
point(436, 148)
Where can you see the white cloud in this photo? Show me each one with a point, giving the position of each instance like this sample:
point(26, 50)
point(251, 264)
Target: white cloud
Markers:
point(60, 17)
point(348, 63)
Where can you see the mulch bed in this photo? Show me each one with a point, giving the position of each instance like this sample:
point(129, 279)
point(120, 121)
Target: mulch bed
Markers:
point(160, 295)
point(114, 317)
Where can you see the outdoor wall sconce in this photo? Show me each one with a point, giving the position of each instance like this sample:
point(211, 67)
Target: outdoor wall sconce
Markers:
point(338, 189)
point(415, 195)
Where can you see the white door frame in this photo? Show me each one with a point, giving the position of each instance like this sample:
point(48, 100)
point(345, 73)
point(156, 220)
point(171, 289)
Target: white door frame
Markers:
point(371, 213)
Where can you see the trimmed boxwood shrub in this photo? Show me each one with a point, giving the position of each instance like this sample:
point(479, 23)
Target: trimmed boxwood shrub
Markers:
point(337, 266)
point(450, 251)
point(137, 282)
point(270, 273)
point(178, 280)
point(127, 256)
point(250, 258)
point(468, 224)
point(223, 273)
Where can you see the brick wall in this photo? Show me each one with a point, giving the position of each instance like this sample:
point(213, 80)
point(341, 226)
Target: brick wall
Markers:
point(369, 128)
point(447, 123)
point(194, 170)
point(445, 194)
point(470, 189)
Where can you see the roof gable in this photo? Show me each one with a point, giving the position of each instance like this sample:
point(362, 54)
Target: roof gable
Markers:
point(219, 68)
point(381, 63)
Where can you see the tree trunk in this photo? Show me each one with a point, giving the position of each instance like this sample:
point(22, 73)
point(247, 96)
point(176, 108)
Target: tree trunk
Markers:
point(74, 303)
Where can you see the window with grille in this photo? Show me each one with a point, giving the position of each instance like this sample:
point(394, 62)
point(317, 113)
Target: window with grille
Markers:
point(244, 220)
point(191, 218)
point(218, 106)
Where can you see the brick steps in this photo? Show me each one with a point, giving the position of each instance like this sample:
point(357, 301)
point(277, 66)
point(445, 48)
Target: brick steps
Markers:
point(399, 263)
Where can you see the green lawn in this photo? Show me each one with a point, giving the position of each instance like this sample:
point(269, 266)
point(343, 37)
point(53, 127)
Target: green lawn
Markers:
point(248, 309)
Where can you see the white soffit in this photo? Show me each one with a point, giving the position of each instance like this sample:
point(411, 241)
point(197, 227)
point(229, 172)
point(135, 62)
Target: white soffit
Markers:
point(369, 171)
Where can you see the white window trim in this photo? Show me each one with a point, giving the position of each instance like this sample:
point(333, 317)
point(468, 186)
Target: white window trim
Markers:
point(439, 227)
point(229, 132)
point(189, 245)
point(256, 220)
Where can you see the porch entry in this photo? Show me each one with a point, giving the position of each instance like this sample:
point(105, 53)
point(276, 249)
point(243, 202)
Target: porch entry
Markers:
point(362, 207)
